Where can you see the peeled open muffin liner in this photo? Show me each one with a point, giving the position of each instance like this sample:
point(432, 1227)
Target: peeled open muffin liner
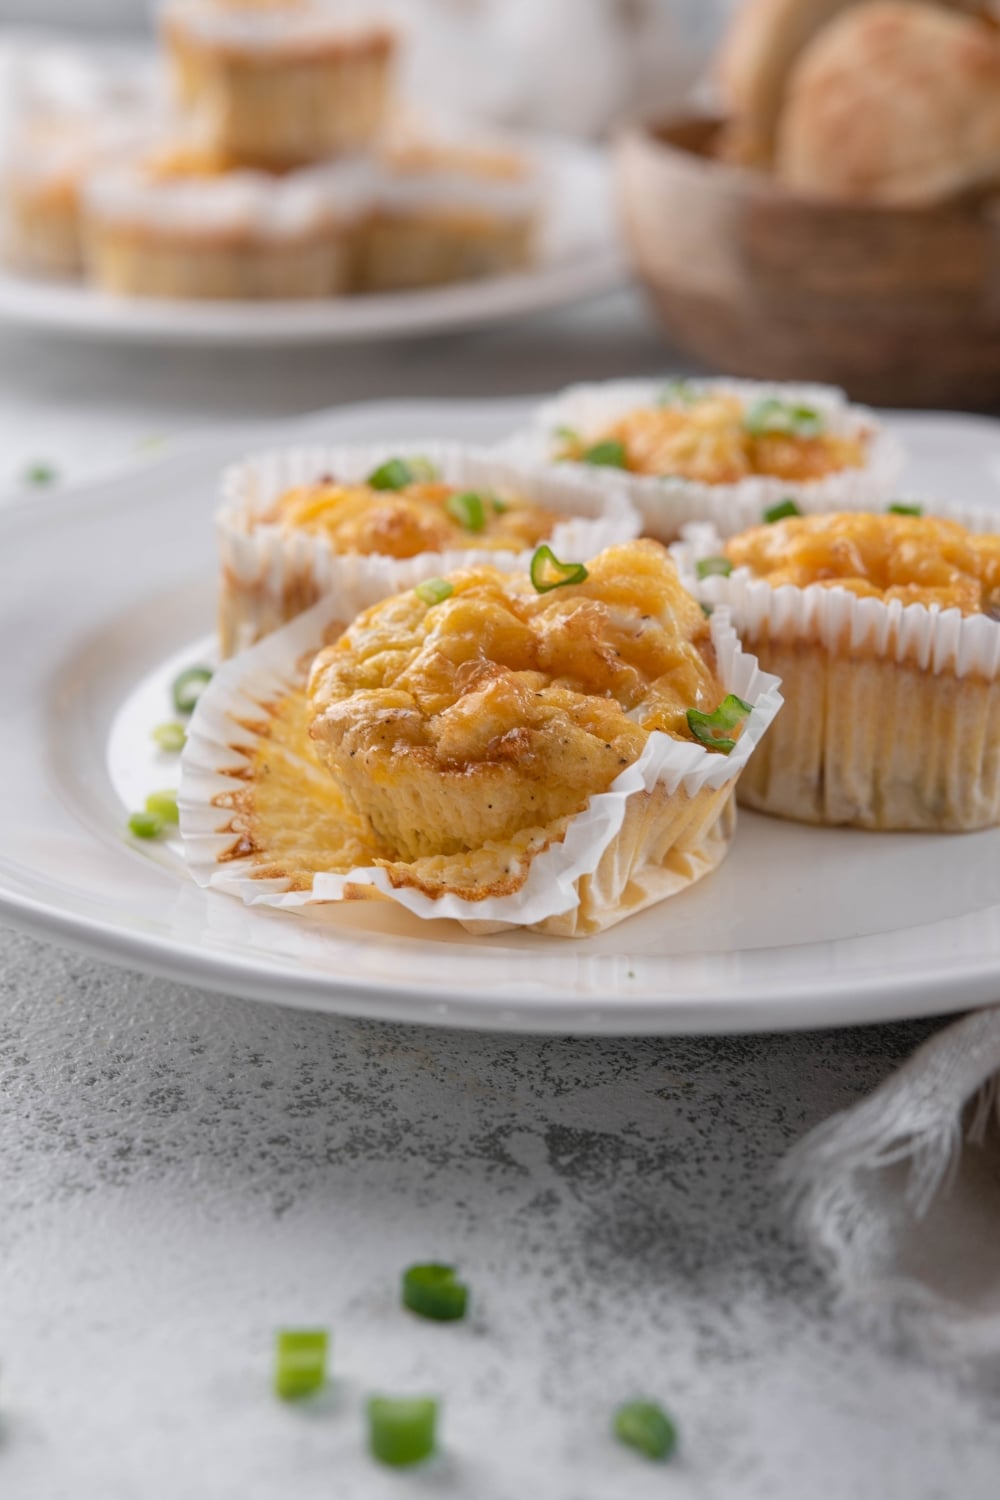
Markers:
point(665, 821)
point(892, 712)
point(269, 575)
point(665, 505)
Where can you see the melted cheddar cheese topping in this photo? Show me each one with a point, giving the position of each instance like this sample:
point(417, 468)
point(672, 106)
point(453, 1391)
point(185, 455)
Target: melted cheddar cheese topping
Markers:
point(917, 559)
point(403, 523)
point(501, 709)
point(708, 440)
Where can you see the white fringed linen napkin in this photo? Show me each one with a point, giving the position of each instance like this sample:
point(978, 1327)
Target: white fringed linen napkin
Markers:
point(899, 1196)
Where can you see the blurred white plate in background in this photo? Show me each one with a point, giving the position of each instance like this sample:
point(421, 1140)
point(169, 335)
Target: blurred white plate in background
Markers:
point(579, 257)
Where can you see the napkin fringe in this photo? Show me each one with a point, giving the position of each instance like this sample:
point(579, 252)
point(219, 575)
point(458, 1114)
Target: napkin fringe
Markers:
point(945, 1096)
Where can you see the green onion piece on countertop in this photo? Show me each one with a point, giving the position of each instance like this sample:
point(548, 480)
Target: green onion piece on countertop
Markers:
point(433, 1291)
point(712, 729)
point(170, 737)
point(547, 572)
point(402, 1430)
point(39, 475)
point(394, 474)
point(467, 509)
point(714, 567)
point(645, 1426)
point(189, 686)
point(781, 511)
point(434, 590)
point(145, 825)
point(607, 455)
point(299, 1362)
point(163, 805)
point(898, 508)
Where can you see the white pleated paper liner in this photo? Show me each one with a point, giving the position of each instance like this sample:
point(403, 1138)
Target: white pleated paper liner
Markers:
point(665, 505)
point(265, 568)
point(933, 639)
point(572, 886)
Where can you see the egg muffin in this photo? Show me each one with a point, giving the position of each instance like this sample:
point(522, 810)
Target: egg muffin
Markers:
point(702, 450)
point(458, 722)
point(300, 524)
point(280, 83)
point(554, 750)
point(883, 628)
point(446, 210)
point(182, 222)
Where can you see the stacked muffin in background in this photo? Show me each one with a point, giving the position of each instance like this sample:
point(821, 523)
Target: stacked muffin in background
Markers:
point(278, 164)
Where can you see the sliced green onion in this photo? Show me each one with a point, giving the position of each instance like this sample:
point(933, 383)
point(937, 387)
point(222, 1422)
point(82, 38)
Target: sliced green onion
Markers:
point(432, 1291)
point(714, 567)
point(706, 610)
point(897, 508)
point(568, 435)
point(781, 511)
point(163, 805)
point(771, 415)
point(402, 1429)
point(467, 509)
point(394, 474)
point(645, 1426)
point(422, 469)
point(145, 825)
point(678, 391)
point(547, 572)
point(434, 590)
point(712, 729)
point(606, 455)
point(40, 475)
point(170, 736)
point(188, 688)
point(499, 504)
point(299, 1362)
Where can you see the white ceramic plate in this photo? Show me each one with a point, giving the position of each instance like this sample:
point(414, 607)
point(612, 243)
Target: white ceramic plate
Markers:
point(104, 589)
point(579, 257)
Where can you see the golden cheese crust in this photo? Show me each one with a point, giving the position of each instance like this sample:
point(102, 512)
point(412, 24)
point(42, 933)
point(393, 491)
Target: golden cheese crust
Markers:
point(403, 523)
point(708, 440)
point(916, 559)
point(500, 709)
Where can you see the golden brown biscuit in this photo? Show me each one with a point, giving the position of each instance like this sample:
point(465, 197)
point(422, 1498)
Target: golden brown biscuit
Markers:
point(893, 103)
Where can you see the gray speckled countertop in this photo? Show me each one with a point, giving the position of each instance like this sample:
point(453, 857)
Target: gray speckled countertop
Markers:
point(182, 1172)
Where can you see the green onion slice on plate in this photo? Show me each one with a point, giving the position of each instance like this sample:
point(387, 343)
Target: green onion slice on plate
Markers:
point(402, 1430)
point(781, 511)
point(163, 805)
point(645, 1426)
point(188, 688)
point(713, 729)
point(714, 567)
point(145, 825)
point(548, 573)
point(170, 737)
point(300, 1362)
point(433, 1291)
point(467, 509)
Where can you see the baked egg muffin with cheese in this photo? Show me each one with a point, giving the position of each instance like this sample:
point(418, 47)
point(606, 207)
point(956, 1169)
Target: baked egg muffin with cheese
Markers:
point(458, 717)
point(883, 628)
